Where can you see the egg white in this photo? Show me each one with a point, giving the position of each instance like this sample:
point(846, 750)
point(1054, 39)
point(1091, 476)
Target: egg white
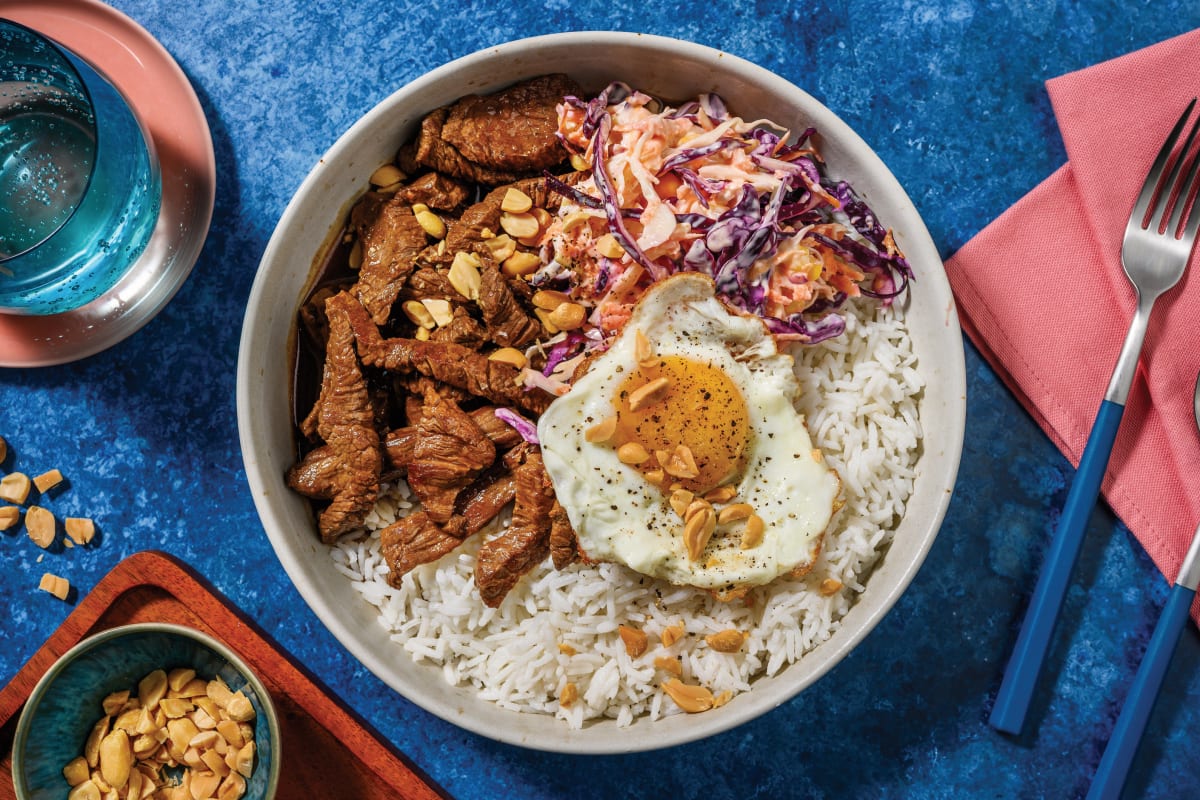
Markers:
point(620, 517)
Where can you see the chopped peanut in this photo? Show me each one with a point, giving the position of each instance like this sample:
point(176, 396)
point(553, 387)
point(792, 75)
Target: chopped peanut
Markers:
point(570, 693)
point(81, 529)
point(516, 202)
point(721, 494)
point(510, 355)
point(501, 247)
point(697, 531)
point(830, 587)
point(669, 664)
point(431, 223)
point(601, 432)
point(418, 314)
point(14, 488)
point(464, 275)
point(692, 699)
point(48, 480)
point(671, 634)
point(735, 512)
point(752, 534)
point(549, 299)
point(59, 587)
point(9, 516)
point(632, 453)
point(726, 641)
point(568, 316)
point(648, 393)
point(520, 226)
point(566, 649)
point(520, 264)
point(40, 525)
point(635, 640)
point(439, 309)
point(608, 246)
point(386, 175)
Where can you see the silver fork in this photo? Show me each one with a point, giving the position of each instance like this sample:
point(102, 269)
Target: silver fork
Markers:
point(1158, 242)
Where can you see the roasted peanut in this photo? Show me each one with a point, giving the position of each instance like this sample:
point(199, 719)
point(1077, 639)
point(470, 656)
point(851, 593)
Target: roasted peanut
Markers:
point(59, 587)
point(40, 525)
point(439, 309)
point(579, 163)
point(232, 787)
point(752, 534)
point(632, 453)
point(9, 516)
point(648, 393)
point(48, 480)
point(679, 463)
point(569, 694)
point(566, 649)
point(635, 640)
point(520, 226)
point(152, 689)
point(418, 314)
point(386, 175)
point(721, 494)
point(516, 202)
point(177, 679)
point(14, 488)
point(671, 634)
point(85, 791)
point(204, 784)
point(643, 352)
point(733, 513)
point(726, 641)
point(680, 500)
point(544, 317)
point(245, 759)
point(568, 316)
point(116, 758)
point(501, 247)
point(608, 246)
point(431, 223)
point(91, 748)
point(722, 698)
point(80, 530)
point(510, 355)
point(76, 772)
point(830, 587)
point(549, 299)
point(697, 531)
point(669, 664)
point(240, 709)
point(520, 264)
point(695, 507)
point(464, 275)
point(692, 699)
point(601, 432)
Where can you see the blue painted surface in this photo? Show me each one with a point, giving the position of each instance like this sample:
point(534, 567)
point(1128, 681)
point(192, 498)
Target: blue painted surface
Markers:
point(951, 95)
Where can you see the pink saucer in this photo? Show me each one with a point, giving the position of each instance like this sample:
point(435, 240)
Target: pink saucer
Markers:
point(164, 99)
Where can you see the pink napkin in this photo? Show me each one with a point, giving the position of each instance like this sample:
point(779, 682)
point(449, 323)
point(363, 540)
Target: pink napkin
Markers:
point(1042, 294)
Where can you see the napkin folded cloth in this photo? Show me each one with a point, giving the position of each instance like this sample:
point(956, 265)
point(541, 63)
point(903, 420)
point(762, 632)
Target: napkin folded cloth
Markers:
point(1042, 294)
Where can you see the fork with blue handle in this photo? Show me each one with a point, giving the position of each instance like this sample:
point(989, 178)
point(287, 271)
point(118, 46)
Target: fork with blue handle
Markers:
point(1157, 245)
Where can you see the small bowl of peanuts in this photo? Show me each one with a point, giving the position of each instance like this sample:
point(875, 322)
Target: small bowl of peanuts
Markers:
point(149, 710)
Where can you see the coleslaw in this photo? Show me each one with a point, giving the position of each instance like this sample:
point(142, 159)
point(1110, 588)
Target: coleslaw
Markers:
point(663, 190)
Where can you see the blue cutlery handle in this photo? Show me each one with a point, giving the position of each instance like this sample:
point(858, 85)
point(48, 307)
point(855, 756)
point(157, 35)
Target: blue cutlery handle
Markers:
point(1127, 734)
point(1033, 642)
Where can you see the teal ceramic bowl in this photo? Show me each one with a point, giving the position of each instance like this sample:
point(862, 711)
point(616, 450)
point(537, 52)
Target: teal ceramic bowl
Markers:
point(66, 702)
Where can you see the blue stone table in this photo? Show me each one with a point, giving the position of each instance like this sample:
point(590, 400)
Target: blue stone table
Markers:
point(950, 94)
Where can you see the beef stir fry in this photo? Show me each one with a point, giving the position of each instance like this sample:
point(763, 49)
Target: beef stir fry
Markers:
point(420, 341)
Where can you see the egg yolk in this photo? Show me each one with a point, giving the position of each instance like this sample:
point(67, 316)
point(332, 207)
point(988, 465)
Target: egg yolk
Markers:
point(700, 408)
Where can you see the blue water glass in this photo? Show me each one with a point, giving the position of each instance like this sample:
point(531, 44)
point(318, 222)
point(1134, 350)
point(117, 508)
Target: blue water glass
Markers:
point(80, 189)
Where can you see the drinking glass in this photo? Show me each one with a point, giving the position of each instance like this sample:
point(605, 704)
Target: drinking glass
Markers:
point(80, 189)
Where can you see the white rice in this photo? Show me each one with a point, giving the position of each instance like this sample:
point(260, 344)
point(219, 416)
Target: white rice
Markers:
point(859, 395)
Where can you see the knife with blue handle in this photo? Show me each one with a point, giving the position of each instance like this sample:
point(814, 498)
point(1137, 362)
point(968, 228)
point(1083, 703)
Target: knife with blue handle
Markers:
point(1127, 734)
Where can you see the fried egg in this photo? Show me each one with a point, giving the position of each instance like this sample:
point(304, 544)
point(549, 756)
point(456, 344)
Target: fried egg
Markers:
point(690, 400)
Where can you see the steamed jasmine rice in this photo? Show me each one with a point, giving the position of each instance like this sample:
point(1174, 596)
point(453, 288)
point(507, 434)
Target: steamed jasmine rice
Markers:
point(860, 398)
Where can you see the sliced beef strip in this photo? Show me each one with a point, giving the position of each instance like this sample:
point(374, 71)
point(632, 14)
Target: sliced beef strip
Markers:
point(448, 363)
point(450, 451)
point(436, 191)
point(346, 422)
point(503, 559)
point(507, 323)
point(564, 547)
point(462, 329)
point(412, 541)
point(494, 139)
point(512, 130)
point(420, 385)
point(315, 475)
point(390, 247)
point(416, 539)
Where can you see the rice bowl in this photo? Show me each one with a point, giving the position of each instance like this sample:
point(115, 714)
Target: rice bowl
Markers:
point(894, 376)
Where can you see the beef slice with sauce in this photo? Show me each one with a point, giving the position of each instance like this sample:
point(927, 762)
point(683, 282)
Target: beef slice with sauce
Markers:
point(504, 558)
point(450, 451)
point(496, 138)
point(390, 246)
point(345, 421)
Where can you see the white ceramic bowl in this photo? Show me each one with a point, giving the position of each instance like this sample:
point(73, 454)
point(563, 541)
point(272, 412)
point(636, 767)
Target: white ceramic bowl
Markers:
point(659, 66)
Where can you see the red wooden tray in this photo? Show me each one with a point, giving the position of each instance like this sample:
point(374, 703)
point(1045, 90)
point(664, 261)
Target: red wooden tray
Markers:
point(328, 751)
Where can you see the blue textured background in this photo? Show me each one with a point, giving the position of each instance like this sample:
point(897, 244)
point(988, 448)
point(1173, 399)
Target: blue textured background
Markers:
point(950, 94)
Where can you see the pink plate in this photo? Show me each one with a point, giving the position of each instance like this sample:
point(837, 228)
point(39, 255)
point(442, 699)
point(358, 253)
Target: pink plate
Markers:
point(164, 99)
